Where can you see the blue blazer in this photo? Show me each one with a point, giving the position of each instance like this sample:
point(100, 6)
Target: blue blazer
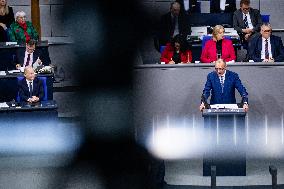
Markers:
point(232, 82)
point(277, 49)
point(24, 89)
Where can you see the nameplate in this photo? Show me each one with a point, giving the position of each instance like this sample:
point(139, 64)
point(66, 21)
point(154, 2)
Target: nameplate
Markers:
point(11, 43)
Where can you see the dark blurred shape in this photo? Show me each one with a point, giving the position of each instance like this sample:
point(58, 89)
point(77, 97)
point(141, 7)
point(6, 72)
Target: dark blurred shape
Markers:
point(107, 35)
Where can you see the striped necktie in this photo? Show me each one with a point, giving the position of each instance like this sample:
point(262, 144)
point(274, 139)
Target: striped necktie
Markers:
point(266, 49)
point(31, 89)
point(246, 21)
point(222, 82)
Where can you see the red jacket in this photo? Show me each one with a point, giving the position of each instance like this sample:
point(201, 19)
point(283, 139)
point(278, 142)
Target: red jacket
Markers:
point(168, 53)
point(209, 54)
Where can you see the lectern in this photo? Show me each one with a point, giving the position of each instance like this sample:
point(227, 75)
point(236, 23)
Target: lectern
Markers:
point(225, 135)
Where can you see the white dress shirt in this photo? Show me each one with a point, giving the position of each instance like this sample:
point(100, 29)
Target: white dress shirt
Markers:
point(222, 4)
point(26, 57)
point(223, 77)
point(186, 5)
point(263, 48)
point(249, 20)
point(28, 83)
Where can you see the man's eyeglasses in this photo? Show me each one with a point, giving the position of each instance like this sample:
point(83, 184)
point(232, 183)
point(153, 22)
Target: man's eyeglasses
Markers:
point(246, 9)
point(219, 69)
point(266, 30)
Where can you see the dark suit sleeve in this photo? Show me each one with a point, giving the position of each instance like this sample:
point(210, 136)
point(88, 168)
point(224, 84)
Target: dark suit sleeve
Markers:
point(236, 23)
point(241, 89)
point(258, 23)
point(207, 87)
point(280, 54)
point(44, 56)
point(40, 89)
point(22, 92)
point(253, 52)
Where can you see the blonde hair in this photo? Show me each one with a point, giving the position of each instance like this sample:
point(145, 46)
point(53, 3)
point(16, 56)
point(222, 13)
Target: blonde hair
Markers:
point(5, 10)
point(216, 29)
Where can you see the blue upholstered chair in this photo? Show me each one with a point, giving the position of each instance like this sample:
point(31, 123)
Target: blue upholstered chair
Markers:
point(265, 18)
point(43, 79)
point(162, 48)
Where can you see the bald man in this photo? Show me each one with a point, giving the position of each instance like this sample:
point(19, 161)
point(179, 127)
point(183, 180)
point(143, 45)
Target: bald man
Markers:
point(221, 85)
point(30, 87)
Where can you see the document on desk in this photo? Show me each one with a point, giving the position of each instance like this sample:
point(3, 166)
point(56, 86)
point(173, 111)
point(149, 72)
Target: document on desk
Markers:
point(3, 105)
point(227, 106)
point(2, 73)
point(14, 71)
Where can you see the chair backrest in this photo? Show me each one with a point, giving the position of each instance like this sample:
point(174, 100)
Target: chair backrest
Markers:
point(162, 48)
point(265, 18)
point(43, 79)
point(208, 37)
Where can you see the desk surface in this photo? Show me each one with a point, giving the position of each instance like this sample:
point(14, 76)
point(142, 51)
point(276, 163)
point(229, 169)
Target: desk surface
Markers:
point(39, 44)
point(206, 65)
point(25, 106)
point(14, 75)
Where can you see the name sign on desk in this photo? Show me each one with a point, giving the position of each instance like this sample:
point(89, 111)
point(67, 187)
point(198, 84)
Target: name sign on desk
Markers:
point(227, 106)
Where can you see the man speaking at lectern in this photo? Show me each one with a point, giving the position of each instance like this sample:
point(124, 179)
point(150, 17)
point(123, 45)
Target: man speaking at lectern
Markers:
point(222, 83)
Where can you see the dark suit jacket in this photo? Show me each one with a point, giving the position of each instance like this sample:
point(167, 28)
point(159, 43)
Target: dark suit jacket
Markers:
point(277, 49)
point(193, 9)
point(215, 6)
point(166, 28)
point(24, 89)
point(239, 24)
point(20, 56)
point(232, 82)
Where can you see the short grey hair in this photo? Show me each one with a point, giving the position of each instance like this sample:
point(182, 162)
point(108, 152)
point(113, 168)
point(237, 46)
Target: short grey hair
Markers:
point(20, 13)
point(267, 24)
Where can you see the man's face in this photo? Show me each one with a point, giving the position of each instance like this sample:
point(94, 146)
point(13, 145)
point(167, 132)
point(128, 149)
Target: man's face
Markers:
point(265, 31)
point(245, 8)
point(175, 9)
point(29, 74)
point(30, 48)
point(220, 68)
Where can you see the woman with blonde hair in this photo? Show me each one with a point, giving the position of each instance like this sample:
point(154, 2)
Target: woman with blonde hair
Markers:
point(218, 47)
point(6, 19)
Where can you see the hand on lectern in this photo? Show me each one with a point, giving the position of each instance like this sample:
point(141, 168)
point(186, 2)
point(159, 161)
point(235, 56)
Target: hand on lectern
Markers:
point(202, 106)
point(246, 107)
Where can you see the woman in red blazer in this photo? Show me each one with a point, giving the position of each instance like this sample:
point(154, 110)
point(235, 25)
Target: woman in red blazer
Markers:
point(218, 46)
point(176, 52)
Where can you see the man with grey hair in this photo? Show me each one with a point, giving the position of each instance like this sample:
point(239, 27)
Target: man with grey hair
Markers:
point(266, 47)
point(221, 85)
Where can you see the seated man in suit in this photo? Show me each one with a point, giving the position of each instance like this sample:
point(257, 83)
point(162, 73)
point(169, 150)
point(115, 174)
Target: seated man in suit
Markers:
point(222, 6)
point(30, 87)
point(221, 84)
point(189, 6)
point(30, 56)
point(246, 21)
point(173, 23)
point(266, 47)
